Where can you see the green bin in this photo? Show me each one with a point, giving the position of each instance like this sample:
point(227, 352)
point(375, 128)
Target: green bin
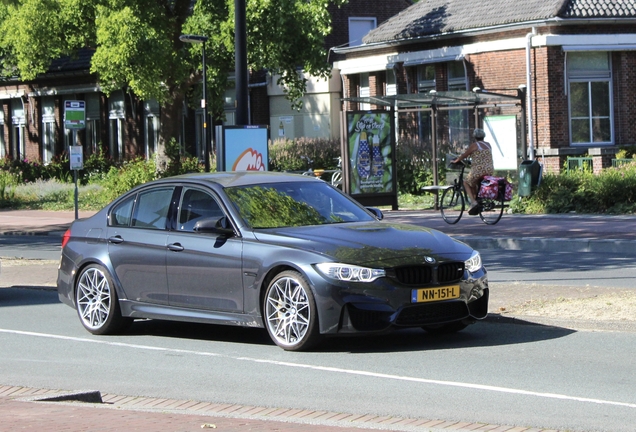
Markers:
point(529, 176)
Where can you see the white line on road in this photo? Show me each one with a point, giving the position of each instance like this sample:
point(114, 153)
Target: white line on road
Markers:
point(333, 370)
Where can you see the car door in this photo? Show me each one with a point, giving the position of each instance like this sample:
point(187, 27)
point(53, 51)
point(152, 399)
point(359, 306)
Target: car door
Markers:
point(204, 269)
point(137, 239)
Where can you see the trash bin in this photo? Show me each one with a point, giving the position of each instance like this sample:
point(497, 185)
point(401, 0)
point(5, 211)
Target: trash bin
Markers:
point(529, 176)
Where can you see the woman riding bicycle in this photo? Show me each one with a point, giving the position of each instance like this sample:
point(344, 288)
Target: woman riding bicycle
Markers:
point(482, 165)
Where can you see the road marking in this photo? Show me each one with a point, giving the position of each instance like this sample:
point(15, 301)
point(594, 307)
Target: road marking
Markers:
point(333, 369)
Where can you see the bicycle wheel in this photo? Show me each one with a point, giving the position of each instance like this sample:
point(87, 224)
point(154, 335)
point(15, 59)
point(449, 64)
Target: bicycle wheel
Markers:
point(491, 210)
point(452, 205)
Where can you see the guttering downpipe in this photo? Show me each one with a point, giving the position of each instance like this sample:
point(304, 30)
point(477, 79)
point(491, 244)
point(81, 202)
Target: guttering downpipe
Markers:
point(529, 93)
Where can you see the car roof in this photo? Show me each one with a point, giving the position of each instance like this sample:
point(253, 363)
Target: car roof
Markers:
point(239, 178)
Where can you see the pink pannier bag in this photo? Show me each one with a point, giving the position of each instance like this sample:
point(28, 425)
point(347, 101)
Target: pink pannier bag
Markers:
point(490, 188)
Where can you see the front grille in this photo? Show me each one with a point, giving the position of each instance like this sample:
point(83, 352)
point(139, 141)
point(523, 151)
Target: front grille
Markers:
point(427, 274)
point(450, 272)
point(414, 275)
point(434, 313)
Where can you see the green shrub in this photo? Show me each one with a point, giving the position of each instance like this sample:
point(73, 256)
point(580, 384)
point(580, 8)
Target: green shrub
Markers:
point(290, 155)
point(131, 174)
point(611, 191)
point(414, 167)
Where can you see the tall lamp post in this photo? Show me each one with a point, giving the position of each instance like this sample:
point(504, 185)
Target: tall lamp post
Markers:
point(206, 145)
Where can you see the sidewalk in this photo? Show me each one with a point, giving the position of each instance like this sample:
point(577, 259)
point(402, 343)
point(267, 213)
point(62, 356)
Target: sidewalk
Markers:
point(22, 408)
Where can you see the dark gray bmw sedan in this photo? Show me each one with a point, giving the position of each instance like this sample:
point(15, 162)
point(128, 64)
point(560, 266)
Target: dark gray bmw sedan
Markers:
point(286, 252)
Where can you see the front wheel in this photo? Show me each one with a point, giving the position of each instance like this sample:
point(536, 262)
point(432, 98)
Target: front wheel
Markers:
point(452, 205)
point(491, 210)
point(290, 312)
point(96, 302)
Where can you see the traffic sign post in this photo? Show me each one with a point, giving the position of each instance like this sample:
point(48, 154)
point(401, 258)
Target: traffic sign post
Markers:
point(74, 119)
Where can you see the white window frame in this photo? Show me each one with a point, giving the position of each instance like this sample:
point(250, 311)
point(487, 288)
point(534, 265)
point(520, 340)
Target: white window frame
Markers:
point(591, 76)
point(116, 120)
point(48, 129)
point(93, 122)
point(151, 138)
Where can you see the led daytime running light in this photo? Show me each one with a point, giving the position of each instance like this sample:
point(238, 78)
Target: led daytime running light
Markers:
point(350, 273)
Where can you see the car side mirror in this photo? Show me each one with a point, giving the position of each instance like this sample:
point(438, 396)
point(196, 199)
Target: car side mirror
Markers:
point(213, 225)
point(376, 212)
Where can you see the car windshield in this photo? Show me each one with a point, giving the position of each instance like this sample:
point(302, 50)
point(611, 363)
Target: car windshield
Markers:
point(276, 205)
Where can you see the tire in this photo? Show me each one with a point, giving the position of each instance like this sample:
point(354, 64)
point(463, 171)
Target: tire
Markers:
point(443, 329)
point(97, 303)
point(336, 179)
point(290, 312)
point(491, 211)
point(452, 205)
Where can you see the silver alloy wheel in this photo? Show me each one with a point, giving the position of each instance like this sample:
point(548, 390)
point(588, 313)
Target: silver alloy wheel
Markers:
point(93, 298)
point(288, 311)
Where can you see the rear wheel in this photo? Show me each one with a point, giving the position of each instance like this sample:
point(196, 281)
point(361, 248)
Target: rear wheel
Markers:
point(290, 312)
point(96, 302)
point(452, 205)
point(491, 210)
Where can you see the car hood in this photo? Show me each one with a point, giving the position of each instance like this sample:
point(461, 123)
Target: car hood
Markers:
point(370, 243)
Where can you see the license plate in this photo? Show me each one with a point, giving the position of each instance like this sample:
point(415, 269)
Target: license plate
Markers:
point(434, 294)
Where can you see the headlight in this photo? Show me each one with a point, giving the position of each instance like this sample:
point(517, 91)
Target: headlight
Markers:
point(346, 272)
point(473, 263)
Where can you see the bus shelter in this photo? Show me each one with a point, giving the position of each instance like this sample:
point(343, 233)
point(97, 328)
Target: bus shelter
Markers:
point(369, 137)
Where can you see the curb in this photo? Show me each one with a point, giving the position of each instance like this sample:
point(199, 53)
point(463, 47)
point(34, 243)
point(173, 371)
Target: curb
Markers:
point(571, 324)
point(624, 247)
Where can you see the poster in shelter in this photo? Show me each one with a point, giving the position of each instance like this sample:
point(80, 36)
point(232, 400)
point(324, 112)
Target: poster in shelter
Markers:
point(369, 142)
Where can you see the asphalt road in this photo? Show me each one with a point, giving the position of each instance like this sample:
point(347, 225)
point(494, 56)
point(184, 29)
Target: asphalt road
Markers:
point(524, 375)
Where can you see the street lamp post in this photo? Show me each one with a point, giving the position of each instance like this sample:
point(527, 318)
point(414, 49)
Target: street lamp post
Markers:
point(206, 145)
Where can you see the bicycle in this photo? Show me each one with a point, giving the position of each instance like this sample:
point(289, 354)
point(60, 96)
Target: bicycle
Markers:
point(336, 175)
point(453, 201)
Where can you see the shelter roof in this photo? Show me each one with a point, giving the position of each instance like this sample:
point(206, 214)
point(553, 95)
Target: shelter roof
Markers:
point(440, 99)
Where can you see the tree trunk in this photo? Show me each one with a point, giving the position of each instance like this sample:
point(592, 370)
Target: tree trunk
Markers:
point(170, 128)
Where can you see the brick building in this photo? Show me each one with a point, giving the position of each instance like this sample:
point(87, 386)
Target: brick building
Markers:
point(123, 126)
point(574, 58)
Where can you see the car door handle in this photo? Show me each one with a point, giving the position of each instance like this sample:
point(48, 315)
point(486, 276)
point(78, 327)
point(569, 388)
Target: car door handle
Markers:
point(175, 247)
point(115, 239)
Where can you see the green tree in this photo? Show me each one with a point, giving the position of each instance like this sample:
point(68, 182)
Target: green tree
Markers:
point(137, 48)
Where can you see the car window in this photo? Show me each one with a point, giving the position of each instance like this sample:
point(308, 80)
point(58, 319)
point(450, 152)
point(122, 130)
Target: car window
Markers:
point(195, 205)
point(122, 214)
point(152, 209)
point(278, 205)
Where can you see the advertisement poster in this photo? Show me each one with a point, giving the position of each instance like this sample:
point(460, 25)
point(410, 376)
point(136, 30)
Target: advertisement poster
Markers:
point(369, 141)
point(245, 148)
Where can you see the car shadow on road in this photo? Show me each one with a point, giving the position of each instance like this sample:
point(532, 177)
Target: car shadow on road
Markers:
point(28, 295)
point(481, 334)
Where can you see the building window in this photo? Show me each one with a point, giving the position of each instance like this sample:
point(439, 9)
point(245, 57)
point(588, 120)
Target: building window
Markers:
point(425, 83)
point(590, 97)
point(48, 129)
point(358, 28)
point(425, 78)
point(457, 119)
point(391, 83)
point(93, 124)
point(151, 112)
point(3, 151)
point(18, 120)
point(116, 119)
point(365, 91)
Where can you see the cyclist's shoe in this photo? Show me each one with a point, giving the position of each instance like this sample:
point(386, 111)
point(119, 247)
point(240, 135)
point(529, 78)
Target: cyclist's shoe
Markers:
point(474, 210)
